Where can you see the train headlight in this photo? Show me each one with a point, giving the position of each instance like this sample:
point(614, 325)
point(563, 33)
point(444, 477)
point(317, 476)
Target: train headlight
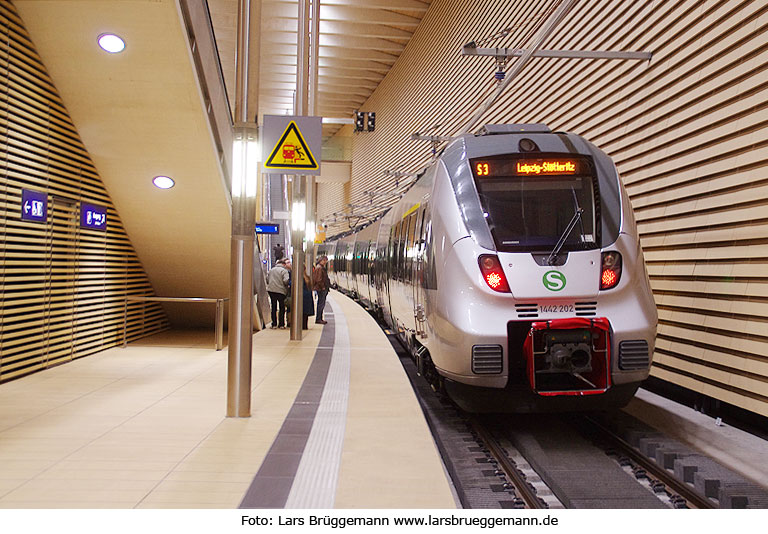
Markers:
point(611, 270)
point(493, 273)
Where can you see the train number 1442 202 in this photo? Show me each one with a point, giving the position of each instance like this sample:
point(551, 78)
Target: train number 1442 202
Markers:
point(557, 308)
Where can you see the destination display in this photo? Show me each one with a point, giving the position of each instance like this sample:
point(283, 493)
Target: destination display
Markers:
point(555, 166)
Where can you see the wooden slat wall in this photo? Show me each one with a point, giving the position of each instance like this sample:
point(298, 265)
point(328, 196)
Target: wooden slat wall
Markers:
point(62, 288)
point(687, 130)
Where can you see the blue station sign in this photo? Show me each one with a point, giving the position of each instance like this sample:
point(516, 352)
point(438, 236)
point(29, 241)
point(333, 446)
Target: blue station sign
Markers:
point(267, 228)
point(93, 216)
point(34, 206)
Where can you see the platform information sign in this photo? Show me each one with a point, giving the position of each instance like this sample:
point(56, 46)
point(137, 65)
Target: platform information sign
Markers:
point(34, 206)
point(267, 228)
point(93, 216)
point(292, 144)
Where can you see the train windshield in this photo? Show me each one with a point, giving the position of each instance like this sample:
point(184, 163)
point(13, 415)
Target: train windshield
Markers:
point(529, 202)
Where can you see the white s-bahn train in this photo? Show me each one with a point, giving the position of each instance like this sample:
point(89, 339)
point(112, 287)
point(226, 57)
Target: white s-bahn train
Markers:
point(512, 269)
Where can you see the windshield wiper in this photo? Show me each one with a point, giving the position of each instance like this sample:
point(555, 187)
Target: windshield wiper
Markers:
point(581, 221)
point(555, 251)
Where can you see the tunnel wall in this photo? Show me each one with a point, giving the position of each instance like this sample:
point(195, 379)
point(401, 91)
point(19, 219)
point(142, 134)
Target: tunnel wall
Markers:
point(687, 130)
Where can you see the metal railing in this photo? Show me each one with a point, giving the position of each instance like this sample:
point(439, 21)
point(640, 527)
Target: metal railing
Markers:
point(219, 326)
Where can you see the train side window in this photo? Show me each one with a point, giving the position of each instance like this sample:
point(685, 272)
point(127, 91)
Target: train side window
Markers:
point(393, 254)
point(393, 242)
point(430, 278)
point(400, 239)
point(422, 229)
point(403, 248)
point(360, 256)
point(372, 259)
point(410, 246)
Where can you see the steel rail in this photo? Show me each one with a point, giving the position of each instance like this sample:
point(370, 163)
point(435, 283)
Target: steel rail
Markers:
point(522, 489)
point(676, 486)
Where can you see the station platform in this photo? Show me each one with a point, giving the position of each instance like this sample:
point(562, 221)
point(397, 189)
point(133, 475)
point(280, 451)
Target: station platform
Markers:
point(334, 424)
point(740, 451)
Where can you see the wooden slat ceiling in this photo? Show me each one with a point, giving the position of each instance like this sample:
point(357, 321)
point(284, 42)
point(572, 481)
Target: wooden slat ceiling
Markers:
point(360, 40)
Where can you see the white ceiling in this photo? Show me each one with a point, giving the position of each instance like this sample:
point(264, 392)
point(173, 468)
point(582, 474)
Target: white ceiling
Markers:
point(360, 40)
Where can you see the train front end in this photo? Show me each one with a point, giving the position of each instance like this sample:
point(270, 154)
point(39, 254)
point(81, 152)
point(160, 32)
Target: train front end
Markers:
point(560, 306)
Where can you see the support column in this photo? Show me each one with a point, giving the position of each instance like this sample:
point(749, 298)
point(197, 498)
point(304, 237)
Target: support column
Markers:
point(299, 182)
point(314, 63)
point(244, 189)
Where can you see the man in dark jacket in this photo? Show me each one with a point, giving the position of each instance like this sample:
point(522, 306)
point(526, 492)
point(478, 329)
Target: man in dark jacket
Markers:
point(278, 252)
point(322, 284)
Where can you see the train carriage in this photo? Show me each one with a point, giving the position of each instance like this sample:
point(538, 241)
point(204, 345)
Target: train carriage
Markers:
point(513, 270)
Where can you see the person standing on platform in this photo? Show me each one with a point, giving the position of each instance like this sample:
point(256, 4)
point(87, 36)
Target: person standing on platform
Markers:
point(322, 285)
point(278, 252)
point(277, 287)
point(289, 266)
point(308, 306)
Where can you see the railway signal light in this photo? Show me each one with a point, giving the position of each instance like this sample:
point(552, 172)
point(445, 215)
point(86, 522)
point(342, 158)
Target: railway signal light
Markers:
point(359, 121)
point(371, 121)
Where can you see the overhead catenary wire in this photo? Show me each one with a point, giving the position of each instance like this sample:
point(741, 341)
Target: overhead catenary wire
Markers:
point(547, 28)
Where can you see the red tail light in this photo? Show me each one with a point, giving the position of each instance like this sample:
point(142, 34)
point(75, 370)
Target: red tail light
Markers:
point(493, 274)
point(611, 270)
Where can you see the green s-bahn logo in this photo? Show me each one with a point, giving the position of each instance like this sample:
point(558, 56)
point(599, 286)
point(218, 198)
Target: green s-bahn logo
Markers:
point(554, 280)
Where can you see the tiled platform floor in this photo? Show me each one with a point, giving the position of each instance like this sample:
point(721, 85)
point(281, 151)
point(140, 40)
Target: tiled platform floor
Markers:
point(145, 426)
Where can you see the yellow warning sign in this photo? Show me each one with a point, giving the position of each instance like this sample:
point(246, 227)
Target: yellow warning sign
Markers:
point(291, 151)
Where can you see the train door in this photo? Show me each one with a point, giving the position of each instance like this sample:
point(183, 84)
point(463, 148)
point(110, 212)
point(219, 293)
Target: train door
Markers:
point(403, 305)
point(341, 265)
point(370, 262)
point(361, 276)
point(410, 262)
point(389, 274)
point(419, 311)
point(354, 269)
point(331, 251)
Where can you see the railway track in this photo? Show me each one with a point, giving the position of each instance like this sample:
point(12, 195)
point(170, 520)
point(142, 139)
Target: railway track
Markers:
point(607, 468)
point(520, 485)
point(681, 494)
point(554, 438)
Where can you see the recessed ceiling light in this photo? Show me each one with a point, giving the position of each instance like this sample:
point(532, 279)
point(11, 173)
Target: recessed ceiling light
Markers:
point(111, 43)
point(163, 182)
